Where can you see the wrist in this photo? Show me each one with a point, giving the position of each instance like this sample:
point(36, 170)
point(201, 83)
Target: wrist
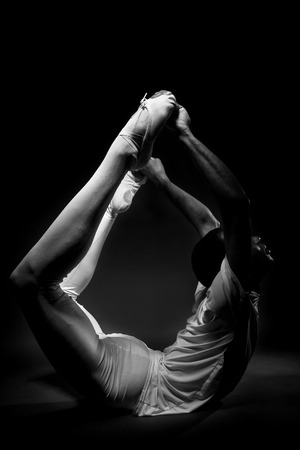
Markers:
point(161, 182)
point(185, 133)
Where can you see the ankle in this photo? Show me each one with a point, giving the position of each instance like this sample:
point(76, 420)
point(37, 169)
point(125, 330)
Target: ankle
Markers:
point(126, 151)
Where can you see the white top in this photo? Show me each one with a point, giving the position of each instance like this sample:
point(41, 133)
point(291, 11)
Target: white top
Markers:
point(188, 373)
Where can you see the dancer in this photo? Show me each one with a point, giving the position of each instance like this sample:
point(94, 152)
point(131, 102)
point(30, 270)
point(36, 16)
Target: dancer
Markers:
point(210, 355)
point(112, 368)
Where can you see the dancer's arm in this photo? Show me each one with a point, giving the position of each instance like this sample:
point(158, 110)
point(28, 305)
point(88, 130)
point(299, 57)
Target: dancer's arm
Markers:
point(229, 195)
point(198, 214)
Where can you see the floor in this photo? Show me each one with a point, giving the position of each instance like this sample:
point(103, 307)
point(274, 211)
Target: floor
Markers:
point(40, 410)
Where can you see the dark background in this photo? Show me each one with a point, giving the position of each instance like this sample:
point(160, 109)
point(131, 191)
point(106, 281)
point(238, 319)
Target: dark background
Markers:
point(71, 84)
point(68, 99)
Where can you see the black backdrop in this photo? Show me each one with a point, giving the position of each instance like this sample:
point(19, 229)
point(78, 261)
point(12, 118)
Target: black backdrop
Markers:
point(69, 96)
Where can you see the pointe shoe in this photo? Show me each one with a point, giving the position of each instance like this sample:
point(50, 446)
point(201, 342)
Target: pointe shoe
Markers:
point(145, 125)
point(125, 192)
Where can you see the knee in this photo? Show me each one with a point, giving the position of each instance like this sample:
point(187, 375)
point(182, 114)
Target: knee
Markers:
point(22, 279)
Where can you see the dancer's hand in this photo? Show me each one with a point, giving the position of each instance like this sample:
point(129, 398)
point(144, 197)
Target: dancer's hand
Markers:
point(155, 171)
point(179, 121)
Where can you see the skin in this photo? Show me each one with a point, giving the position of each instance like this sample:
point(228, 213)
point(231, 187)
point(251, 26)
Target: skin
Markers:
point(200, 217)
point(248, 256)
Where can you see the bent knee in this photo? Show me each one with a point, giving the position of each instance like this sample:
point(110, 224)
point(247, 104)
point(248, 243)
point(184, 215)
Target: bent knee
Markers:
point(23, 279)
point(26, 284)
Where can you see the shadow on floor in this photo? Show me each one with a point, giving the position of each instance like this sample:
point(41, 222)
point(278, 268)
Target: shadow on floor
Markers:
point(40, 410)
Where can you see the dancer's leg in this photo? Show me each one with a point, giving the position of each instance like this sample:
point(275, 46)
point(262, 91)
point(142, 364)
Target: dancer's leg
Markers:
point(67, 240)
point(62, 329)
point(78, 279)
point(69, 237)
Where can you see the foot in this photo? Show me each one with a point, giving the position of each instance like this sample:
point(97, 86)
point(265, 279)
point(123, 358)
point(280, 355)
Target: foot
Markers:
point(145, 125)
point(127, 189)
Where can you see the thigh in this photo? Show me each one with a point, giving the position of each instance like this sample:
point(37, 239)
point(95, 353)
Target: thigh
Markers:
point(66, 335)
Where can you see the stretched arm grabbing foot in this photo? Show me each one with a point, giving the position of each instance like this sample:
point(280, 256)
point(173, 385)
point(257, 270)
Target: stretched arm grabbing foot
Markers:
point(247, 255)
point(198, 214)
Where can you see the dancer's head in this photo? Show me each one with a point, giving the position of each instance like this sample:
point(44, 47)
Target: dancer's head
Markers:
point(261, 260)
point(209, 253)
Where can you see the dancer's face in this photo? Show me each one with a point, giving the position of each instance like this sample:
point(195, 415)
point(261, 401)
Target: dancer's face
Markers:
point(261, 258)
